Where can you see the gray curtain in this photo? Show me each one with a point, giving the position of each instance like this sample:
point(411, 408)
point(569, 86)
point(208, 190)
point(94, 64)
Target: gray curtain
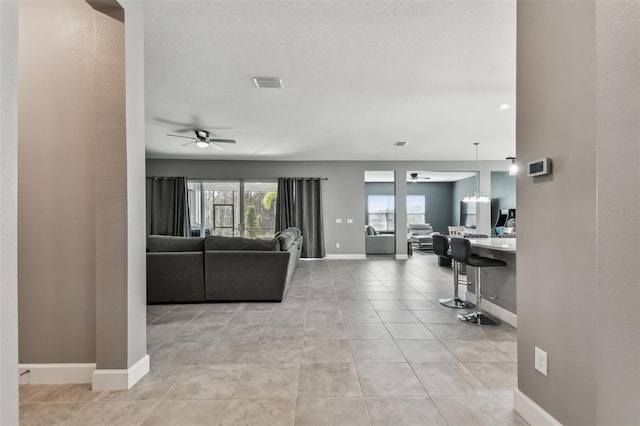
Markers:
point(170, 206)
point(300, 205)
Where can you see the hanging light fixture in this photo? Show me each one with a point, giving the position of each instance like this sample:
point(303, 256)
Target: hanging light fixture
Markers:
point(513, 168)
point(477, 196)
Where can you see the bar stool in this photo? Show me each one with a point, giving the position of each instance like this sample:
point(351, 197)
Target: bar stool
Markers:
point(461, 252)
point(441, 248)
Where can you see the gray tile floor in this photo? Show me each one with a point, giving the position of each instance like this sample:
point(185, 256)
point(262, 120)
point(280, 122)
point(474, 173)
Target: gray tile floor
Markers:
point(354, 343)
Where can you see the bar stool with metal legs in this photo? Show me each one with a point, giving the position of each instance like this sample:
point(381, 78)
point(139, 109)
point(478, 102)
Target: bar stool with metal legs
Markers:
point(441, 248)
point(461, 252)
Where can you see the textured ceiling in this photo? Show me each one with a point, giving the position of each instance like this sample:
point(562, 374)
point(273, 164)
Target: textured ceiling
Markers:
point(358, 76)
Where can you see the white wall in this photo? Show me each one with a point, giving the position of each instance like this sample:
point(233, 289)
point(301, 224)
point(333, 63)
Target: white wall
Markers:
point(8, 213)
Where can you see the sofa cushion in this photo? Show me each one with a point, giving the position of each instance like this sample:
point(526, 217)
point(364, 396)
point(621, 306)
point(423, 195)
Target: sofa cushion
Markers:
point(168, 243)
point(239, 243)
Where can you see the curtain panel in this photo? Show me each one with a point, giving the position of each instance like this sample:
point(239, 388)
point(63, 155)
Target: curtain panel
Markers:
point(170, 206)
point(300, 205)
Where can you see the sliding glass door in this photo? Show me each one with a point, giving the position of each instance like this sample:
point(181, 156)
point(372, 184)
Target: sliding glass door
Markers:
point(232, 208)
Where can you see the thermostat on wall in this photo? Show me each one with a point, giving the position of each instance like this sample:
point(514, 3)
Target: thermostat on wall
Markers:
point(538, 167)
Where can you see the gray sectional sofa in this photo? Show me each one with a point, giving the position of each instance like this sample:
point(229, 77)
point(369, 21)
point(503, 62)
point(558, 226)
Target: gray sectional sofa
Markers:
point(221, 269)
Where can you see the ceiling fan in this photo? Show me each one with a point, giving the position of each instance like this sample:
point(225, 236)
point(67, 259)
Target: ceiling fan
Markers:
point(415, 177)
point(203, 139)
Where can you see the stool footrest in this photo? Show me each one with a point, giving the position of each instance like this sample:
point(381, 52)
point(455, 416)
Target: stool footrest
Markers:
point(478, 318)
point(457, 303)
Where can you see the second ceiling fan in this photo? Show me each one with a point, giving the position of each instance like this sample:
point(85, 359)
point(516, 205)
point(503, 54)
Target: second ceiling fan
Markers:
point(203, 139)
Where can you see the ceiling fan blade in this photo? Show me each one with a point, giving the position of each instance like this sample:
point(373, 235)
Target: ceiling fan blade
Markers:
point(221, 140)
point(216, 146)
point(180, 136)
point(188, 143)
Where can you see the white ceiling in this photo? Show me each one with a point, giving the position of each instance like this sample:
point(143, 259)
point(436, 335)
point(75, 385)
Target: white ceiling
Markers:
point(358, 76)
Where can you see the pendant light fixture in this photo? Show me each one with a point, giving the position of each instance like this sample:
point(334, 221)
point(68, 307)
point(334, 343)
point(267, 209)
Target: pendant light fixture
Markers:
point(477, 196)
point(513, 168)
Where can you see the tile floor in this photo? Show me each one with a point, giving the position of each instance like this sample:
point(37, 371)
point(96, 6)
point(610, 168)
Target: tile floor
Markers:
point(354, 343)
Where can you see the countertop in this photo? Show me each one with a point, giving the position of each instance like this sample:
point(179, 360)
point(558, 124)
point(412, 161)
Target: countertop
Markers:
point(502, 244)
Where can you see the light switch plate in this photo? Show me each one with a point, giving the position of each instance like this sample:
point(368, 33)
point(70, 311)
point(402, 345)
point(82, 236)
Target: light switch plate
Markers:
point(338, 220)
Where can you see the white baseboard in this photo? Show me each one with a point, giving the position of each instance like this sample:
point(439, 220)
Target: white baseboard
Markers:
point(402, 256)
point(120, 379)
point(532, 412)
point(345, 256)
point(495, 310)
point(55, 374)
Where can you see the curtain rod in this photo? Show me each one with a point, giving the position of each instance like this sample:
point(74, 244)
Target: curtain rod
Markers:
point(307, 178)
point(229, 179)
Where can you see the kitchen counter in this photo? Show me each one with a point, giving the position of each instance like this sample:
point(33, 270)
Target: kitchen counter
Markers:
point(502, 244)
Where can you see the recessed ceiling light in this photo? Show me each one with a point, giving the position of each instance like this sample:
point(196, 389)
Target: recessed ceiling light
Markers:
point(504, 106)
point(268, 82)
point(401, 143)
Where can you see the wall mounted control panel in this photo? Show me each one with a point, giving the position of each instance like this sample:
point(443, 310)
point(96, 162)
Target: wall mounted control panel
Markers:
point(539, 167)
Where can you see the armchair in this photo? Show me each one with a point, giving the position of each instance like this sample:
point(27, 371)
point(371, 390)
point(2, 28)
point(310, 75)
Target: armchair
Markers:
point(421, 235)
point(376, 243)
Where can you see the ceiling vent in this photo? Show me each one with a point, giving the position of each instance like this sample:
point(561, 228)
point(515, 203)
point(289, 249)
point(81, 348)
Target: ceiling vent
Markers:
point(267, 83)
point(402, 143)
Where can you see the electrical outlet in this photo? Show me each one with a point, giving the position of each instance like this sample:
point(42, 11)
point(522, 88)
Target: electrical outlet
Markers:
point(540, 361)
point(349, 220)
point(338, 220)
point(337, 245)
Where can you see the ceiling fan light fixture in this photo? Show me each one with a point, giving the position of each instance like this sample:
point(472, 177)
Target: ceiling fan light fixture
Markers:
point(202, 144)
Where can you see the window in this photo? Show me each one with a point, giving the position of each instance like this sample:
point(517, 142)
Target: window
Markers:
point(216, 208)
point(381, 212)
point(416, 209)
point(260, 209)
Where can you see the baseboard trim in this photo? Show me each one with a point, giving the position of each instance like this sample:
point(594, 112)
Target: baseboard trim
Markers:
point(55, 374)
point(120, 379)
point(497, 311)
point(402, 256)
point(345, 256)
point(532, 412)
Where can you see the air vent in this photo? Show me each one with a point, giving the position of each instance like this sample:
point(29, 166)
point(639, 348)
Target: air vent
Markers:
point(267, 83)
point(402, 143)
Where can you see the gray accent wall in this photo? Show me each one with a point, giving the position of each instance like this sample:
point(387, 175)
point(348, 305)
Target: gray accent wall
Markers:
point(578, 69)
point(461, 188)
point(343, 192)
point(437, 195)
point(9, 213)
point(503, 193)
